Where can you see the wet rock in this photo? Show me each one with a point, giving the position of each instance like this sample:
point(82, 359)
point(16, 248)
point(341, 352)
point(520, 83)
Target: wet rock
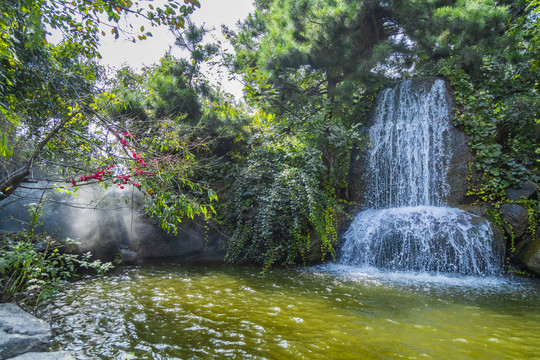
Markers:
point(127, 255)
point(58, 355)
point(517, 216)
point(423, 239)
point(458, 168)
point(479, 210)
point(21, 332)
point(527, 190)
point(529, 254)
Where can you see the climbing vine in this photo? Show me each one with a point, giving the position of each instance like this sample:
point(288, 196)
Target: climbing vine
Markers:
point(506, 153)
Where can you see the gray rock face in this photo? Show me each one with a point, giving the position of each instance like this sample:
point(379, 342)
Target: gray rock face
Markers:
point(458, 169)
point(196, 240)
point(109, 224)
point(517, 216)
point(527, 190)
point(58, 355)
point(21, 332)
point(479, 210)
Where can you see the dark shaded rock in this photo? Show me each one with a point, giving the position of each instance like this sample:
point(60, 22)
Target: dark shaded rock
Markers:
point(196, 240)
point(21, 332)
point(458, 169)
point(529, 254)
point(126, 255)
point(499, 241)
point(57, 355)
point(517, 216)
point(479, 210)
point(110, 225)
point(357, 183)
point(527, 190)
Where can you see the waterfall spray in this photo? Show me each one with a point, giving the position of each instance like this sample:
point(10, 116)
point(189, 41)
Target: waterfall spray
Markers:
point(408, 225)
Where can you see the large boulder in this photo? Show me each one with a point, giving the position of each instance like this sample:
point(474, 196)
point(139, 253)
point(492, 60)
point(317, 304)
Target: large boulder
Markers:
point(57, 355)
point(516, 216)
point(21, 332)
point(110, 224)
point(461, 157)
point(196, 240)
point(529, 254)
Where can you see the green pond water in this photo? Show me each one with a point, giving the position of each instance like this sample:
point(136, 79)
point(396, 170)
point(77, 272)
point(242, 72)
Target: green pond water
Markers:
point(327, 312)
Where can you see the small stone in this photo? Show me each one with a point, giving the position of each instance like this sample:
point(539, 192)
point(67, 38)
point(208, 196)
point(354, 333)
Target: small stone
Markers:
point(127, 255)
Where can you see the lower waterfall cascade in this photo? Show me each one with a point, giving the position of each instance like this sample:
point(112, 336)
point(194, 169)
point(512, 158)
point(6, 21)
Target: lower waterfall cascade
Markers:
point(407, 224)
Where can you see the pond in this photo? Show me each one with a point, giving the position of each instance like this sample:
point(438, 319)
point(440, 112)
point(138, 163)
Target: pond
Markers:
point(325, 312)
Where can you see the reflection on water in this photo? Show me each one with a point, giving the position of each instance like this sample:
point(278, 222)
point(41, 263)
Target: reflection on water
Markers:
point(325, 312)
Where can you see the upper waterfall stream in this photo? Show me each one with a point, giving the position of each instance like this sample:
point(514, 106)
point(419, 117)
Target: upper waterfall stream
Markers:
point(407, 224)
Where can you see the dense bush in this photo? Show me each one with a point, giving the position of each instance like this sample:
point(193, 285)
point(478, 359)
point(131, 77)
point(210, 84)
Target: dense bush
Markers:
point(36, 265)
point(276, 208)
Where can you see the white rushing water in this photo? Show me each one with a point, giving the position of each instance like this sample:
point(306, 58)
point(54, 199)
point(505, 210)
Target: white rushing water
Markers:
point(410, 154)
point(408, 225)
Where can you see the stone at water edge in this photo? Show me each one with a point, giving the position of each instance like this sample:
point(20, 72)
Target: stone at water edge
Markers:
point(517, 216)
point(58, 355)
point(529, 255)
point(21, 332)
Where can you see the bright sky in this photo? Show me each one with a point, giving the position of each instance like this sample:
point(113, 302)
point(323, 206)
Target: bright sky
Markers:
point(212, 13)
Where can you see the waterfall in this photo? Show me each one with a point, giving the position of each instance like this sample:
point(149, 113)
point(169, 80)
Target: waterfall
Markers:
point(408, 225)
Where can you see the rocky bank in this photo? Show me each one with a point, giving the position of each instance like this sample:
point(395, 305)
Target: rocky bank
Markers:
point(25, 337)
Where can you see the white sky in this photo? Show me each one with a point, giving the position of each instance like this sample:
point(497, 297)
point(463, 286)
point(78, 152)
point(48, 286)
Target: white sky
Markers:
point(212, 13)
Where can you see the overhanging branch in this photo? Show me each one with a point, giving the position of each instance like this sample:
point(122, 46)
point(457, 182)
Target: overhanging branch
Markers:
point(12, 181)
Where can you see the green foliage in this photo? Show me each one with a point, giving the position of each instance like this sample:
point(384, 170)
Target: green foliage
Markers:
point(5, 149)
point(498, 106)
point(171, 132)
point(466, 30)
point(136, 133)
point(530, 25)
point(500, 131)
point(79, 20)
point(37, 265)
point(278, 205)
point(315, 66)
